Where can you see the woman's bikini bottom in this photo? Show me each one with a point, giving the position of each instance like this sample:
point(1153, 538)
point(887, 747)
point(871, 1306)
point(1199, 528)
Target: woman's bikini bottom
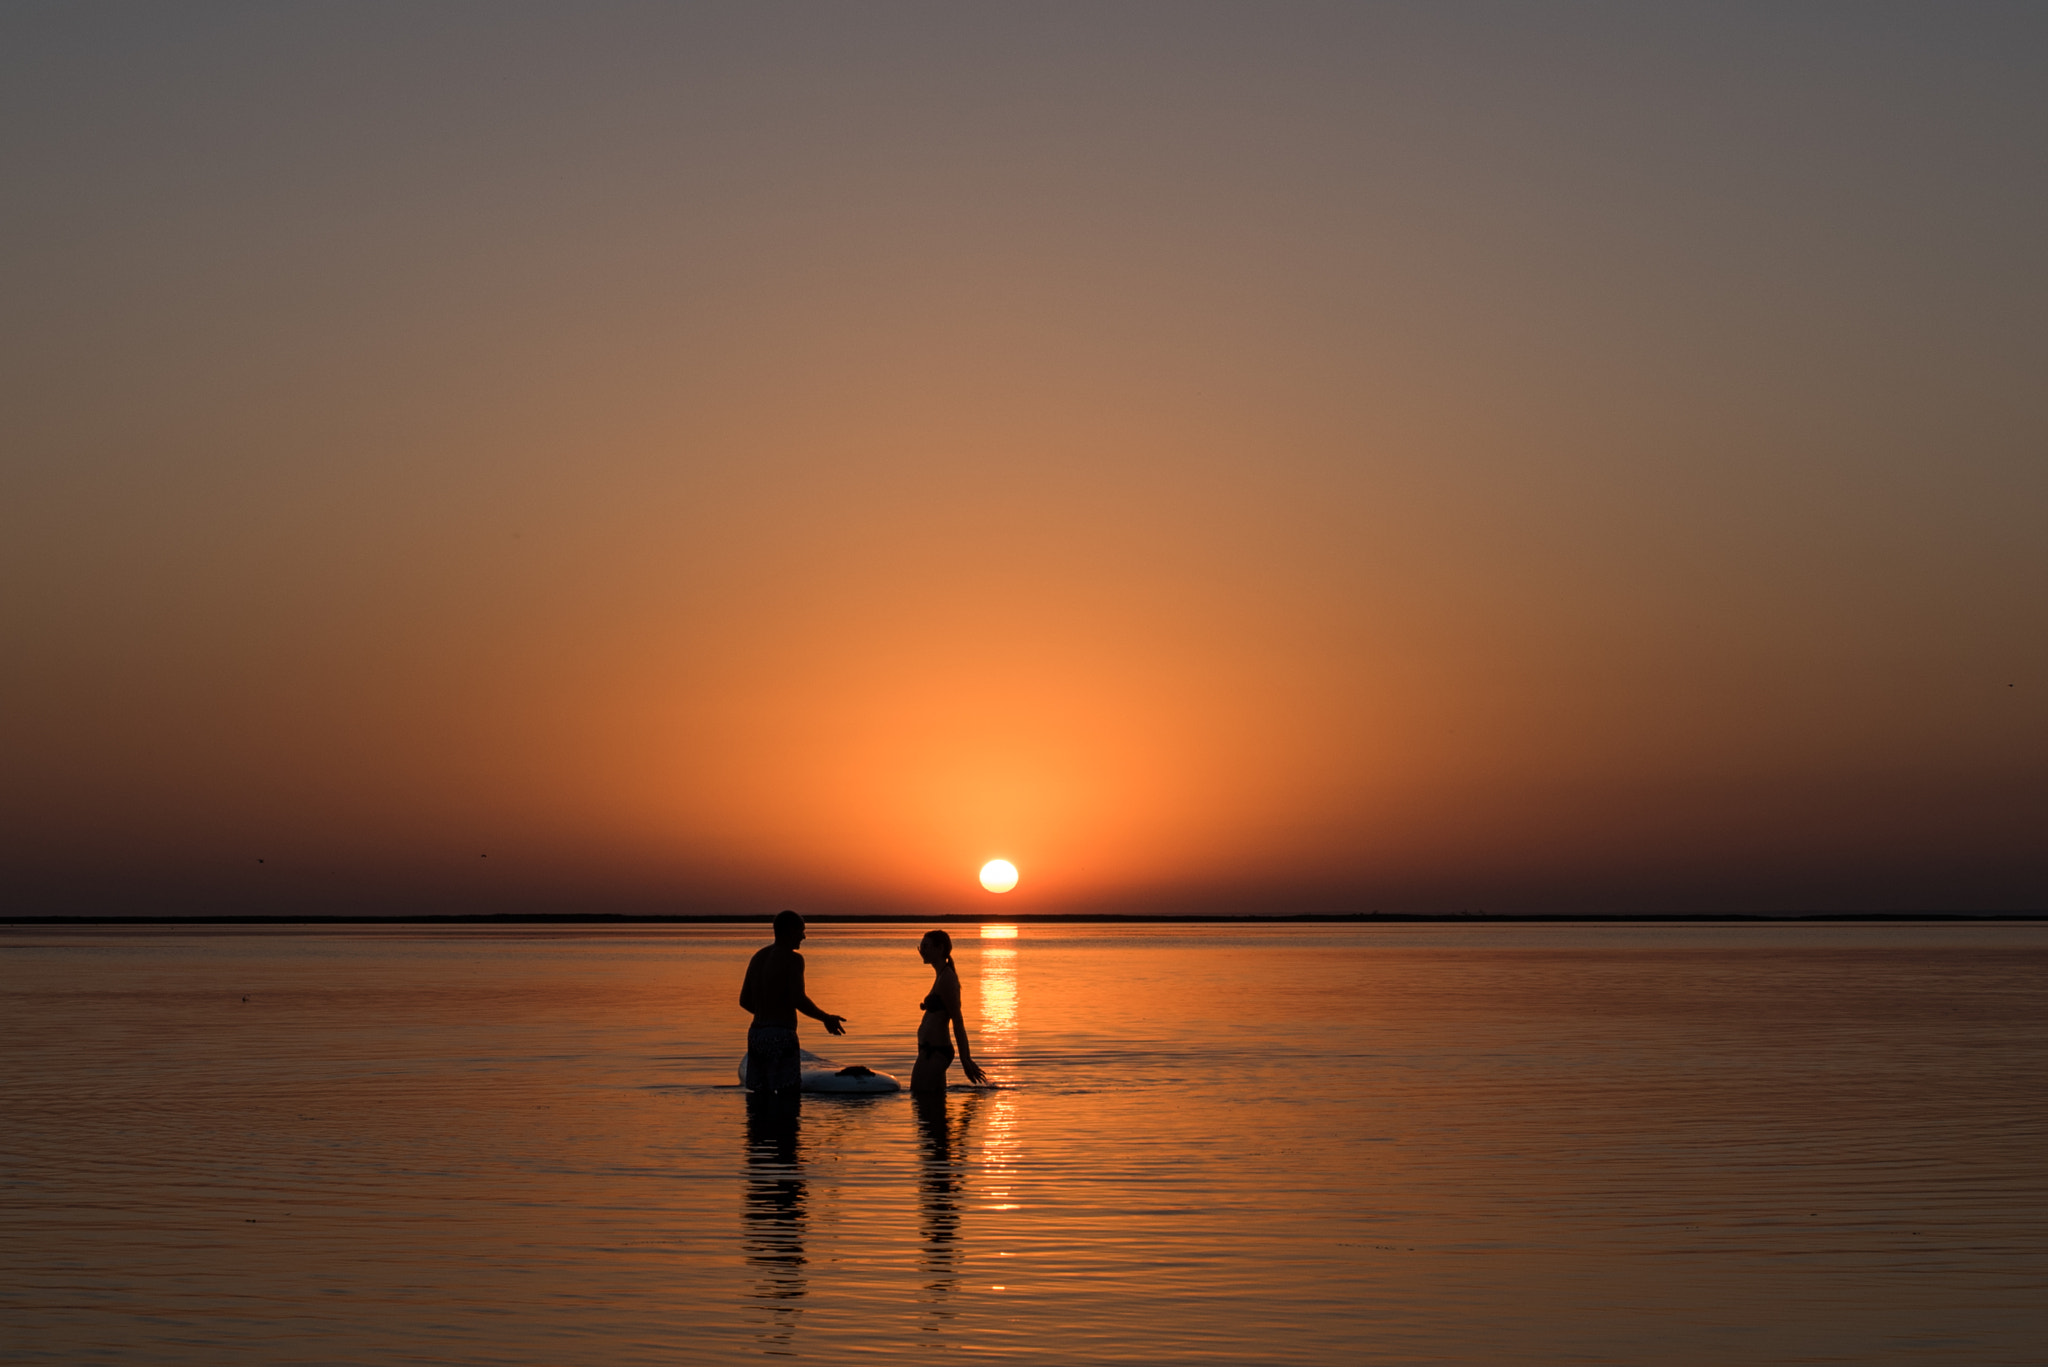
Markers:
point(934, 1040)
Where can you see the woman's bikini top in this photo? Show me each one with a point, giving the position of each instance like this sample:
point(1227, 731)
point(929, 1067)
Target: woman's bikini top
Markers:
point(936, 1000)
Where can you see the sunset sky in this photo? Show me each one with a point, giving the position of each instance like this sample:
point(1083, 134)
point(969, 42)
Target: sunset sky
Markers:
point(1258, 457)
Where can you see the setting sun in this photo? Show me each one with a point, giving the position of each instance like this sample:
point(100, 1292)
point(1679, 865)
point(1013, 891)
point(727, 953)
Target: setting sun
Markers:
point(999, 875)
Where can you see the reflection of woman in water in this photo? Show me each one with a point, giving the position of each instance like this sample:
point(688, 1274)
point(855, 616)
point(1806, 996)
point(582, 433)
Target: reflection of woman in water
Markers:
point(941, 1193)
point(941, 1011)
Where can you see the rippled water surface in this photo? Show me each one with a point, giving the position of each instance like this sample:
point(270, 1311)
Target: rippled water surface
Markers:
point(1464, 1144)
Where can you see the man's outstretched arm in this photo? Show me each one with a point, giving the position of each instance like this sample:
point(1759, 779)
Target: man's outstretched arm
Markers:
point(834, 1025)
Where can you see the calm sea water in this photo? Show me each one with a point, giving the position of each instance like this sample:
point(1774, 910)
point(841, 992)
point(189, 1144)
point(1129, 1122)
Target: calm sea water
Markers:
point(1462, 1144)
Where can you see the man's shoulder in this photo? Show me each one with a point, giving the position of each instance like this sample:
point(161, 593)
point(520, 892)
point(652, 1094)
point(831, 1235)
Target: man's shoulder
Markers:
point(771, 952)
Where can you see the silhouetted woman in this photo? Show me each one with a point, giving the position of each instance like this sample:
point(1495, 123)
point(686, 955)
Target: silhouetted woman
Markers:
point(941, 1012)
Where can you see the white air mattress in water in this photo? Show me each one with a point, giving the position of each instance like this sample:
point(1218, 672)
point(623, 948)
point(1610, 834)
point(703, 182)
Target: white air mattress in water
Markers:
point(823, 1075)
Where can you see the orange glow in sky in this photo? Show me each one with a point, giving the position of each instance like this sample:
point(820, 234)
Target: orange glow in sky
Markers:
point(1414, 462)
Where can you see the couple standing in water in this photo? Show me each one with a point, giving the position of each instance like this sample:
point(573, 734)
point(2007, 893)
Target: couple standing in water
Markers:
point(774, 992)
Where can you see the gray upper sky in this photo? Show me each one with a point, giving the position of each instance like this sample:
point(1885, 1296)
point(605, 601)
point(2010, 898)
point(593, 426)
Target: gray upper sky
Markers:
point(1554, 454)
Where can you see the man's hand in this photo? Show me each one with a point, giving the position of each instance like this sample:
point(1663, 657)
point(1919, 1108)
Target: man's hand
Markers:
point(834, 1025)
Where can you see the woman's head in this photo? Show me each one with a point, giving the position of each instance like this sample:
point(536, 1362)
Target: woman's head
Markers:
point(936, 947)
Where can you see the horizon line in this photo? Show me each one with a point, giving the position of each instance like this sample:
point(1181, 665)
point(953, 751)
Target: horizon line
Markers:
point(1029, 918)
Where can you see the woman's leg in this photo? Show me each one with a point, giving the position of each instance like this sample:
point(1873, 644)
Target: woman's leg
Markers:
point(929, 1074)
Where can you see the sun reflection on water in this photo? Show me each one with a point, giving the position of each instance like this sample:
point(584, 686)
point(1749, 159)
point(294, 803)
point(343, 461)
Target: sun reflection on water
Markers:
point(999, 1138)
point(999, 993)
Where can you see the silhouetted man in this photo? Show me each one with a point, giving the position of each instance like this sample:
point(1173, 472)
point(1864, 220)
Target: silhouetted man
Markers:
point(774, 992)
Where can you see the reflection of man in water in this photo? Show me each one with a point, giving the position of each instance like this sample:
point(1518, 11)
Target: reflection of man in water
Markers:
point(774, 992)
point(773, 1217)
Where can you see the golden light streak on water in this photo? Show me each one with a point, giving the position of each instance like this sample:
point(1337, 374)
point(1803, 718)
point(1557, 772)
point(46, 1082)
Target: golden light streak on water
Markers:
point(999, 999)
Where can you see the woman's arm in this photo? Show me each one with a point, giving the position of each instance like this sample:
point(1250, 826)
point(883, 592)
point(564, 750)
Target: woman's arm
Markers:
point(967, 1063)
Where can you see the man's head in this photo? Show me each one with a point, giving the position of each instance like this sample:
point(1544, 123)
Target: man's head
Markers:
point(789, 929)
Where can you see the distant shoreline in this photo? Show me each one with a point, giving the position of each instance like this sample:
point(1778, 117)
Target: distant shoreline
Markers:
point(1029, 918)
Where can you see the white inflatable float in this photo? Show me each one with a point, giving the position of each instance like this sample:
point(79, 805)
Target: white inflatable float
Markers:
point(823, 1075)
